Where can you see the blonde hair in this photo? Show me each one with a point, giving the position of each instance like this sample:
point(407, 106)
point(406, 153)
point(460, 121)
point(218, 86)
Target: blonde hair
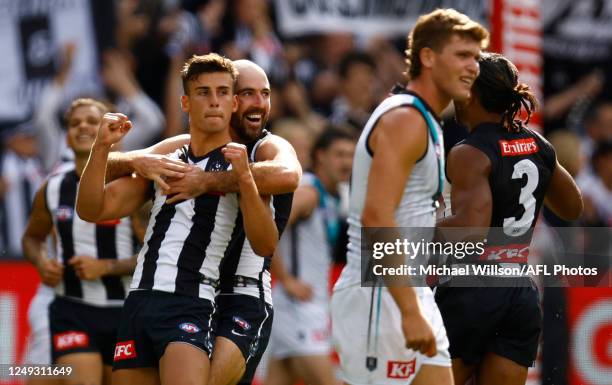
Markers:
point(434, 29)
point(80, 102)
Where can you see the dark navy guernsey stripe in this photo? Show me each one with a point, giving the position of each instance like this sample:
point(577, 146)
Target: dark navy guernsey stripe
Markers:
point(163, 219)
point(67, 198)
point(162, 223)
point(106, 245)
point(194, 249)
point(229, 264)
point(282, 210)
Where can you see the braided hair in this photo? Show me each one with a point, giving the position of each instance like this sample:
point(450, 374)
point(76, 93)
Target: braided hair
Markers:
point(499, 91)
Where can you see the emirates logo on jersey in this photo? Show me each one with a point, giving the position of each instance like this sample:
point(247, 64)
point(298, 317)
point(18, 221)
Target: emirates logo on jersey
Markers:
point(518, 147)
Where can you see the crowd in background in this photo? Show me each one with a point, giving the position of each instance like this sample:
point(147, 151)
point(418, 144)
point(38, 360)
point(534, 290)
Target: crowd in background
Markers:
point(317, 81)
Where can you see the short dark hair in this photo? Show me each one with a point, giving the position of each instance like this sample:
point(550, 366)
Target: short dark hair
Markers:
point(499, 90)
point(434, 29)
point(355, 57)
point(329, 136)
point(199, 64)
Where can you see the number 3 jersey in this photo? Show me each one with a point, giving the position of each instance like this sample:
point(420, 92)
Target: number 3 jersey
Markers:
point(521, 168)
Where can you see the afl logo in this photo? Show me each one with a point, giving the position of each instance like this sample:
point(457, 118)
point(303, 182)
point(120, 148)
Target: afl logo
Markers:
point(217, 166)
point(189, 327)
point(64, 213)
point(242, 323)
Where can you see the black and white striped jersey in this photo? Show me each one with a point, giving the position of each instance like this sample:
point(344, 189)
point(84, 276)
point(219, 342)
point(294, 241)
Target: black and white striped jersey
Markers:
point(105, 240)
point(240, 259)
point(186, 241)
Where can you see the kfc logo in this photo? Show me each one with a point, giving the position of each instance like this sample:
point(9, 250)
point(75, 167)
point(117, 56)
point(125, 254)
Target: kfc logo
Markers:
point(401, 369)
point(124, 350)
point(517, 253)
point(70, 340)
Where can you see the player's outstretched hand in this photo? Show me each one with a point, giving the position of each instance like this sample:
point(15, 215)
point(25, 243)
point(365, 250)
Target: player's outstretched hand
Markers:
point(158, 167)
point(113, 128)
point(88, 268)
point(236, 154)
point(419, 334)
point(50, 271)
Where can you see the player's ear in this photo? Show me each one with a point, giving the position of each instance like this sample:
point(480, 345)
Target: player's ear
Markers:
point(185, 103)
point(235, 103)
point(426, 55)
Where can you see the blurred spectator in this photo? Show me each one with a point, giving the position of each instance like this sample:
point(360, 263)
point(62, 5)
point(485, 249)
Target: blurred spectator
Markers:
point(569, 152)
point(295, 104)
point(597, 187)
point(20, 176)
point(390, 66)
point(353, 106)
point(556, 110)
point(598, 126)
point(147, 118)
point(251, 34)
point(299, 135)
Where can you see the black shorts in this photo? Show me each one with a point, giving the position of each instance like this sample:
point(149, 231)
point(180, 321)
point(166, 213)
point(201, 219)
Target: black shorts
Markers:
point(247, 322)
point(504, 320)
point(152, 319)
point(77, 327)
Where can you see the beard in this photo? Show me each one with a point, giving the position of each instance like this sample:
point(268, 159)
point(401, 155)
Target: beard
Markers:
point(240, 126)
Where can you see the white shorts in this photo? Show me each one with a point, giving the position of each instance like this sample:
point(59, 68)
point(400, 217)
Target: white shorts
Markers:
point(39, 341)
point(394, 363)
point(300, 329)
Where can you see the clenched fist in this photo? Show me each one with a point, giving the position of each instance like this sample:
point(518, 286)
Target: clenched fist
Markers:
point(113, 128)
point(236, 154)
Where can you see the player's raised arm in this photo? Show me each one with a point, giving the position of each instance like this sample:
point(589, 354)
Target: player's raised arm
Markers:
point(398, 141)
point(259, 225)
point(97, 201)
point(151, 162)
